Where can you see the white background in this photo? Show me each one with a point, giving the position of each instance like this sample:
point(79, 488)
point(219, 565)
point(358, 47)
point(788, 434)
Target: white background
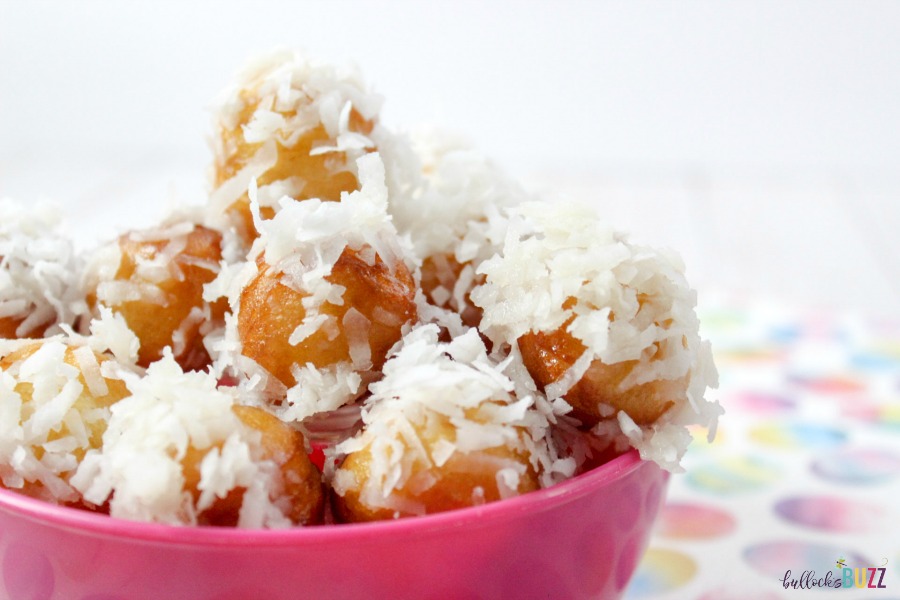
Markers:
point(760, 139)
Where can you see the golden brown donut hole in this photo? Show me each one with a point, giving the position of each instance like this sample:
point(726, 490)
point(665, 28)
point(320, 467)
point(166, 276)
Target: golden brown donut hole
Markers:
point(548, 356)
point(465, 479)
point(270, 311)
point(301, 482)
point(156, 325)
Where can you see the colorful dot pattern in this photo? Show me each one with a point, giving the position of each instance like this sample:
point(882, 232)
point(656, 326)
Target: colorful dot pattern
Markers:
point(801, 487)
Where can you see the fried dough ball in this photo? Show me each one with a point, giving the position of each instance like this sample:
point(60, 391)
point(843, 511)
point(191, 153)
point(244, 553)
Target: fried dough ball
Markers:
point(300, 481)
point(38, 272)
point(454, 219)
point(295, 126)
point(377, 301)
point(600, 391)
point(441, 431)
point(431, 486)
point(605, 324)
point(62, 398)
point(181, 450)
point(155, 280)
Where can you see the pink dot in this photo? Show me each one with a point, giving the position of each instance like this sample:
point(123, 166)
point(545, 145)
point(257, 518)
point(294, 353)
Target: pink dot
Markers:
point(762, 403)
point(830, 384)
point(832, 514)
point(694, 521)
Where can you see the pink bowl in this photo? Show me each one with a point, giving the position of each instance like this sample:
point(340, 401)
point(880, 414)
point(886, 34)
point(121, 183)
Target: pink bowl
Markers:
point(580, 539)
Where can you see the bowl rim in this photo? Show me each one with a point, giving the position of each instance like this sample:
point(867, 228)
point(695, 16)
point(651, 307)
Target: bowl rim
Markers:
point(98, 525)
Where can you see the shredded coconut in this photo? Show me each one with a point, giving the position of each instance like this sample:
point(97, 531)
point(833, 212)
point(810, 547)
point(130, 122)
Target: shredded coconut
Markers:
point(624, 302)
point(455, 383)
point(49, 418)
point(302, 242)
point(38, 269)
point(320, 390)
point(139, 468)
point(283, 96)
point(482, 253)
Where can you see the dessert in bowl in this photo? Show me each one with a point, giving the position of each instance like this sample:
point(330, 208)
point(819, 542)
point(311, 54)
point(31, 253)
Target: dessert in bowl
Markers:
point(366, 360)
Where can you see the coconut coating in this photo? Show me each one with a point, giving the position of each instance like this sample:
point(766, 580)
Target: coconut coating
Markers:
point(81, 427)
point(548, 356)
point(39, 271)
point(440, 276)
point(324, 176)
point(462, 480)
point(270, 311)
point(173, 312)
point(87, 400)
point(300, 481)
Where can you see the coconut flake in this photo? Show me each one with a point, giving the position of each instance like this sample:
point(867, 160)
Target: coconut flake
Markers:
point(90, 369)
point(109, 331)
point(234, 188)
point(320, 390)
point(356, 329)
point(116, 292)
point(38, 268)
point(573, 375)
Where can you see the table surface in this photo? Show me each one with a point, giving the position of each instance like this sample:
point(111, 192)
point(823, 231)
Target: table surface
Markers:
point(804, 473)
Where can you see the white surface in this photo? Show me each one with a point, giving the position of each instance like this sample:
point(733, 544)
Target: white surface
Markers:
point(761, 139)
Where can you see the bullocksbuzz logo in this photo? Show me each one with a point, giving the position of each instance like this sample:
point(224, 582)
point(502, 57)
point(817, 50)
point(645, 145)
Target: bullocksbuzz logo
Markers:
point(844, 576)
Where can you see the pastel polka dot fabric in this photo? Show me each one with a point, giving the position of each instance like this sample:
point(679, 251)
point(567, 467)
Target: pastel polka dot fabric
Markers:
point(799, 494)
